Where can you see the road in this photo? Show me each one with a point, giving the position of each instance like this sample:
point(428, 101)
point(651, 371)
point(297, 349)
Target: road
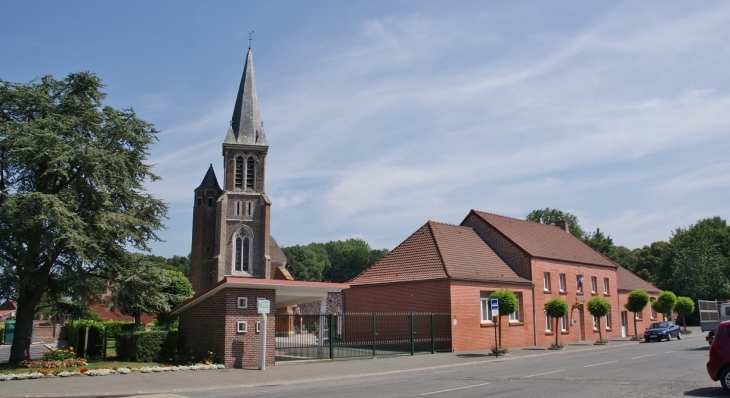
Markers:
point(659, 369)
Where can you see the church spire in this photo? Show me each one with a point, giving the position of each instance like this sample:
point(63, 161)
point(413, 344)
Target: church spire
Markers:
point(246, 125)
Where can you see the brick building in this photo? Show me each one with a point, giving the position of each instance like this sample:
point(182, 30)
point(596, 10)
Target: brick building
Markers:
point(627, 282)
point(453, 269)
point(234, 261)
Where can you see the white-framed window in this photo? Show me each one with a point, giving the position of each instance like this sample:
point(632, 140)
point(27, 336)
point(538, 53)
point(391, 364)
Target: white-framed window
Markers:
point(637, 315)
point(595, 323)
point(515, 316)
point(562, 282)
point(242, 327)
point(243, 302)
point(564, 323)
point(258, 326)
point(608, 321)
point(486, 310)
point(652, 313)
point(594, 284)
point(605, 286)
point(546, 281)
point(548, 323)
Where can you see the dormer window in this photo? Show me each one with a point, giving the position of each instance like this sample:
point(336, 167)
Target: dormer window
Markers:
point(239, 172)
point(250, 169)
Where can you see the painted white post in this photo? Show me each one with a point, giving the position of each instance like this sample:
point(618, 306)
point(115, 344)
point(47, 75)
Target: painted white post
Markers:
point(322, 311)
point(262, 343)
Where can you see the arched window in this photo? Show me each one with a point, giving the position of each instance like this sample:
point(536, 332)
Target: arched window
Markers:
point(239, 172)
point(241, 261)
point(250, 169)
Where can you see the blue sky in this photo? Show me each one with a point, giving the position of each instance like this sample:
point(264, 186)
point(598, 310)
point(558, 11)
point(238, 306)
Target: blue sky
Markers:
point(381, 115)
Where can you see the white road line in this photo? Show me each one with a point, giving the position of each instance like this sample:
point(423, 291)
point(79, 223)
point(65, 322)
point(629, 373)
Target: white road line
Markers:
point(602, 363)
point(454, 389)
point(546, 373)
point(669, 352)
point(644, 356)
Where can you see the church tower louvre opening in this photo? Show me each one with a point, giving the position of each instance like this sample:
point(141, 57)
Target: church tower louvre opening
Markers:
point(231, 237)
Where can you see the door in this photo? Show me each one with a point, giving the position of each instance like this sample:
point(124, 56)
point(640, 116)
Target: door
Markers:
point(581, 330)
point(624, 322)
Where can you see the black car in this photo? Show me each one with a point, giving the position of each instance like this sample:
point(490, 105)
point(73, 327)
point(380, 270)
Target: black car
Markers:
point(662, 330)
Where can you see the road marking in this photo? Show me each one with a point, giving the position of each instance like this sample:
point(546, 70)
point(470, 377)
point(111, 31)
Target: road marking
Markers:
point(602, 363)
point(669, 352)
point(644, 356)
point(546, 373)
point(454, 389)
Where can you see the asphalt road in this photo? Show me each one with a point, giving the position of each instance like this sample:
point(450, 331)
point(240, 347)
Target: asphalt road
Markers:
point(658, 369)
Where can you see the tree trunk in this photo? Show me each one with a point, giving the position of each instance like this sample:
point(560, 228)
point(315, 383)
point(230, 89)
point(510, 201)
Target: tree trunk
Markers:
point(684, 324)
point(137, 320)
point(24, 314)
point(600, 335)
point(636, 333)
point(556, 331)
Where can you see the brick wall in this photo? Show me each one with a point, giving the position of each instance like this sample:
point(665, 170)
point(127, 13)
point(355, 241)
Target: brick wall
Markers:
point(212, 326)
point(506, 248)
point(411, 297)
point(645, 317)
point(202, 265)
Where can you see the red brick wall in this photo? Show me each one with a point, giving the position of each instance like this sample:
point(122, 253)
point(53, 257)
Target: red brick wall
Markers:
point(577, 313)
point(515, 255)
point(470, 333)
point(412, 297)
point(202, 265)
point(212, 326)
point(645, 317)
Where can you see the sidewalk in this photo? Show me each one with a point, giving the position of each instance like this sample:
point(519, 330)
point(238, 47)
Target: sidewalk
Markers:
point(181, 382)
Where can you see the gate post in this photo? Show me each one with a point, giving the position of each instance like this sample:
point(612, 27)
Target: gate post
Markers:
point(413, 335)
point(433, 337)
point(374, 335)
point(332, 348)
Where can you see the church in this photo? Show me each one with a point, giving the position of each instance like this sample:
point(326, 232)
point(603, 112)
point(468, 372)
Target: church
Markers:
point(234, 260)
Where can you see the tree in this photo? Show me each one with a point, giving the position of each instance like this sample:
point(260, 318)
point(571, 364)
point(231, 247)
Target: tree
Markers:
point(599, 307)
point(72, 199)
point(507, 305)
point(625, 257)
point(177, 288)
point(650, 262)
point(348, 258)
point(308, 263)
point(551, 216)
point(637, 301)
point(665, 302)
point(556, 308)
point(136, 289)
point(601, 243)
point(684, 306)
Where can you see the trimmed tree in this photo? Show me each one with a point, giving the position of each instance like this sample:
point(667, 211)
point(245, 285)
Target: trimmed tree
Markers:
point(665, 302)
point(637, 301)
point(556, 308)
point(599, 307)
point(684, 306)
point(507, 305)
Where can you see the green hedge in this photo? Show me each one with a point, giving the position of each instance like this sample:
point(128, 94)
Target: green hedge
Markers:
point(2, 332)
point(95, 346)
point(146, 346)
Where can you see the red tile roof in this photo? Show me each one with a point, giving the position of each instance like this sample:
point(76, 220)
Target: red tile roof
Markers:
point(544, 241)
point(439, 251)
point(628, 281)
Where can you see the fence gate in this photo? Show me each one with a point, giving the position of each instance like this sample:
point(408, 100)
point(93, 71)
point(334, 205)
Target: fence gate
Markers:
point(303, 337)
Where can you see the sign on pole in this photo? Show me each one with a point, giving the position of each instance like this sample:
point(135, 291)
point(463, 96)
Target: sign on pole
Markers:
point(264, 306)
point(494, 304)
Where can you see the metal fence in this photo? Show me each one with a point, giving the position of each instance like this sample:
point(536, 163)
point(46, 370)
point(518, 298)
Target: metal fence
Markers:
point(303, 337)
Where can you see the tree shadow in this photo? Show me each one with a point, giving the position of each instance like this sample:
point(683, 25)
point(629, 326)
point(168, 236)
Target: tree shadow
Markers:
point(706, 392)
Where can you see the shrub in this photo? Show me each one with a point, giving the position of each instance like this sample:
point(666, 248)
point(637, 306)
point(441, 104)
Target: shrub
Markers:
point(2, 332)
point(556, 308)
point(664, 304)
point(599, 307)
point(59, 355)
point(146, 346)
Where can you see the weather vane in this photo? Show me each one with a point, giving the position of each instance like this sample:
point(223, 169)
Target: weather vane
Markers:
point(250, 38)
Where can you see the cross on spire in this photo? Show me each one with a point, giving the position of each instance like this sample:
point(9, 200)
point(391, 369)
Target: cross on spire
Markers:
point(250, 39)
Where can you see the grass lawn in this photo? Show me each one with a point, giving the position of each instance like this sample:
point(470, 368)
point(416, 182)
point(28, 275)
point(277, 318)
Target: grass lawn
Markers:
point(11, 368)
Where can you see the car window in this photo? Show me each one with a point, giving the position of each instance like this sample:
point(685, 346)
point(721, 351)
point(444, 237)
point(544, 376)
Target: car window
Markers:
point(727, 310)
point(658, 325)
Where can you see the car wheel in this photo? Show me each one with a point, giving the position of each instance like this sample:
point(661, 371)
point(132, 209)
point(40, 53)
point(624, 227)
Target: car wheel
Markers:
point(679, 335)
point(725, 379)
point(646, 340)
point(669, 337)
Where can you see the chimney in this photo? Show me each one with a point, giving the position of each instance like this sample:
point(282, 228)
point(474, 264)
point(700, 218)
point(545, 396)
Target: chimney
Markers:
point(563, 224)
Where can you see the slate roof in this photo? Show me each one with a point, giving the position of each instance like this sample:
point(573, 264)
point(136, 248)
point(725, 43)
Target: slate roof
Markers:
point(628, 281)
point(277, 255)
point(440, 251)
point(210, 181)
point(246, 126)
point(544, 241)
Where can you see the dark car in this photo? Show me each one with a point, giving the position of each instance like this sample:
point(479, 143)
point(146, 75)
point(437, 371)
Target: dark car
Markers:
point(718, 367)
point(662, 330)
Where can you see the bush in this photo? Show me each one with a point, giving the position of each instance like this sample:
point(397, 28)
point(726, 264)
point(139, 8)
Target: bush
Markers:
point(59, 355)
point(95, 345)
point(146, 346)
point(2, 332)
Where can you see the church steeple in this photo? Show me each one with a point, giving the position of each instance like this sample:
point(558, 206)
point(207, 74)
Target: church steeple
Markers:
point(246, 125)
point(210, 181)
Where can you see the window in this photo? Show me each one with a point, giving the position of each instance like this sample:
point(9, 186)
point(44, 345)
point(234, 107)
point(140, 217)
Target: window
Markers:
point(548, 323)
point(605, 285)
point(546, 281)
point(239, 172)
point(562, 282)
point(595, 323)
point(564, 323)
point(249, 209)
point(637, 315)
point(241, 326)
point(242, 253)
point(652, 313)
point(250, 168)
point(594, 284)
point(486, 311)
point(515, 316)
point(579, 283)
point(608, 322)
point(210, 202)
point(238, 207)
point(258, 327)
point(243, 302)
point(200, 202)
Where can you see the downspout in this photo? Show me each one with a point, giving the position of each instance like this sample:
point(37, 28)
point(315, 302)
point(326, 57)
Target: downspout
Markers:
point(534, 317)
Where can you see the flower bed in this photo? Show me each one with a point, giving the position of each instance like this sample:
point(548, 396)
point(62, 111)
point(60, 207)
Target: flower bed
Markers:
point(105, 371)
point(52, 364)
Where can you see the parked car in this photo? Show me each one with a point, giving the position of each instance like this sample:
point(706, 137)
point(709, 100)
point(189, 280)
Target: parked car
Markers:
point(662, 330)
point(718, 366)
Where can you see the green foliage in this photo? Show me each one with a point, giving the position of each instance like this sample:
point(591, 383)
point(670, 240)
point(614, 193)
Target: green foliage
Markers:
point(664, 304)
point(174, 263)
point(684, 306)
point(599, 307)
point(334, 261)
point(95, 346)
point(625, 257)
point(146, 346)
point(137, 288)
point(601, 243)
point(178, 289)
point(59, 355)
point(2, 332)
point(507, 301)
point(72, 191)
point(551, 216)
point(557, 307)
point(637, 301)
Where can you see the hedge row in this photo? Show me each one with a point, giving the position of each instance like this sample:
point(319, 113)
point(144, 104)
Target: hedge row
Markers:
point(95, 345)
point(146, 346)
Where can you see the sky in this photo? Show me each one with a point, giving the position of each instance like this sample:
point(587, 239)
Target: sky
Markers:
point(382, 115)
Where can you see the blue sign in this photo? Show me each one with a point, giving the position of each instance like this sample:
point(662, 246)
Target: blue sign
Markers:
point(494, 304)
